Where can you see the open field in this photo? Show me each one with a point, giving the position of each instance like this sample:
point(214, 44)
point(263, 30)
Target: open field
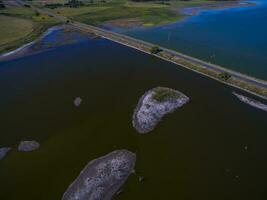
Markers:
point(69, 12)
point(146, 16)
point(23, 27)
point(145, 13)
point(20, 25)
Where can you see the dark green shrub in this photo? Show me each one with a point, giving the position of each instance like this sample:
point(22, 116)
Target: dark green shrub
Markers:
point(224, 76)
point(2, 5)
point(162, 94)
point(155, 50)
point(53, 5)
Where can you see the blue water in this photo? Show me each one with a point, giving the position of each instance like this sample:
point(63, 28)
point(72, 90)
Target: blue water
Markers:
point(235, 38)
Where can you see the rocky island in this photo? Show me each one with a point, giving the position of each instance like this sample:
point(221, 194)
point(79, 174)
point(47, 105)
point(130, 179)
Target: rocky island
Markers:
point(4, 151)
point(28, 145)
point(77, 101)
point(251, 102)
point(154, 105)
point(103, 177)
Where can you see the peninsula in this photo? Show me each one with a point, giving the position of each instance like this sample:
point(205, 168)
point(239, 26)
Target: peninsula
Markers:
point(251, 102)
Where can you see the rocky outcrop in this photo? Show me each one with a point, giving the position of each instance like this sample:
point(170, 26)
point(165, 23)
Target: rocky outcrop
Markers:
point(154, 105)
point(28, 145)
point(102, 178)
point(4, 151)
point(77, 101)
point(251, 102)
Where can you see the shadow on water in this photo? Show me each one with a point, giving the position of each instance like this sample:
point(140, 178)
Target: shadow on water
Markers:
point(212, 148)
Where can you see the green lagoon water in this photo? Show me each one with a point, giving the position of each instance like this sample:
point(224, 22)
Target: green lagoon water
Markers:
point(214, 147)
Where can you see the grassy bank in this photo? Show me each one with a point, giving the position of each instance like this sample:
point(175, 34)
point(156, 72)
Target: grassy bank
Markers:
point(21, 25)
point(123, 12)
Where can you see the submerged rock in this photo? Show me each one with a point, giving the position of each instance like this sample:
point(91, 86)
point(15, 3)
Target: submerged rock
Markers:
point(77, 101)
point(154, 105)
point(4, 151)
point(28, 145)
point(102, 178)
point(251, 102)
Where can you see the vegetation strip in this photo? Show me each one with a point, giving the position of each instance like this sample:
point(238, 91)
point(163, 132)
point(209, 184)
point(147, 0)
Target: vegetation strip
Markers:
point(249, 84)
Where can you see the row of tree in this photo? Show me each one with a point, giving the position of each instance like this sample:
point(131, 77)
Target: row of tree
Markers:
point(70, 3)
point(74, 3)
point(2, 5)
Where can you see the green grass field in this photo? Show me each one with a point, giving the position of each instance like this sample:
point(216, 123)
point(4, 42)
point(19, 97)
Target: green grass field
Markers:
point(13, 28)
point(147, 13)
point(20, 25)
point(147, 16)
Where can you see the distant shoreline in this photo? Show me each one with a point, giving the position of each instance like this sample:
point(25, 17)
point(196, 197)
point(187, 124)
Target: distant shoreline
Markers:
point(195, 10)
point(185, 12)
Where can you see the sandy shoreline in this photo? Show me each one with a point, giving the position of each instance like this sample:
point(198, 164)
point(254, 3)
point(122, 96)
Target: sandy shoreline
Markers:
point(191, 11)
point(25, 49)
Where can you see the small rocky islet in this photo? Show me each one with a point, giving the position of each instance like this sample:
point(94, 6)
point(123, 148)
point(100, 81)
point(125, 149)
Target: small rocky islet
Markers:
point(28, 146)
point(23, 146)
point(77, 101)
point(103, 177)
point(4, 151)
point(154, 105)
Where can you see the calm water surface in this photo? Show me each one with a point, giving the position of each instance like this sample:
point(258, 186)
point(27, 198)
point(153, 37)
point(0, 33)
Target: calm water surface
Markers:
point(235, 38)
point(215, 147)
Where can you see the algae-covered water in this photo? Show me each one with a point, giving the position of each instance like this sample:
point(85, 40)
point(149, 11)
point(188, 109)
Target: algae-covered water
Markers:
point(215, 147)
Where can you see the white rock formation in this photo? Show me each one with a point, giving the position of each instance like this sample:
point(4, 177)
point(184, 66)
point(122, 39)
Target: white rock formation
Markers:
point(28, 146)
point(103, 177)
point(77, 101)
point(152, 107)
point(4, 151)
